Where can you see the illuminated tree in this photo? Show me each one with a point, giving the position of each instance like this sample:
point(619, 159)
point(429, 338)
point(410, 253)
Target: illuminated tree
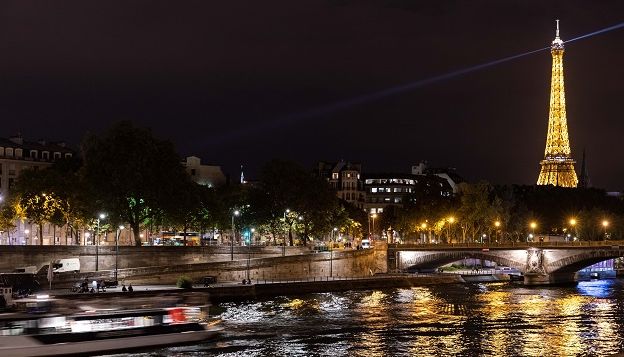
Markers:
point(131, 175)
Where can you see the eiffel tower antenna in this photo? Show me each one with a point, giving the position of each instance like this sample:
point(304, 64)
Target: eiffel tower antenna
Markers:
point(557, 168)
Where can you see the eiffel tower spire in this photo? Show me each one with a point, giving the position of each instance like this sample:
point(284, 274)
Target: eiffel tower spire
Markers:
point(557, 168)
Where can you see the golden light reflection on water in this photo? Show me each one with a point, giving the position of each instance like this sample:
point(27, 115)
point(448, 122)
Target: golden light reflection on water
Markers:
point(465, 320)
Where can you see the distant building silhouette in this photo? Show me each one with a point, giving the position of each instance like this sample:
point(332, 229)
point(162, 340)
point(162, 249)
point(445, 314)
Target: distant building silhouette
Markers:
point(207, 175)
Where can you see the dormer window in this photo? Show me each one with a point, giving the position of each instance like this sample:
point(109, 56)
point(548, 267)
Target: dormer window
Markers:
point(45, 155)
point(34, 154)
point(57, 155)
point(335, 175)
point(18, 152)
point(68, 155)
point(9, 152)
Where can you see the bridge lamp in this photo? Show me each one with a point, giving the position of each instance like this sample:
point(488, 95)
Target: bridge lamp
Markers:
point(497, 224)
point(451, 220)
point(605, 224)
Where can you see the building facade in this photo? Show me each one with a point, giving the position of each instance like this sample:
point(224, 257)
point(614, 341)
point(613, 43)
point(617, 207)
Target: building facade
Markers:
point(345, 178)
point(206, 175)
point(17, 155)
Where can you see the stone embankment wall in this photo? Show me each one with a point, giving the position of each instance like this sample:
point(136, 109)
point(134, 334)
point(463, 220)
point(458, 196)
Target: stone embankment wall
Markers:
point(165, 266)
point(349, 263)
point(12, 257)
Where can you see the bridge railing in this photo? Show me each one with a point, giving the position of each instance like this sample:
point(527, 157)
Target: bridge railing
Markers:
point(615, 244)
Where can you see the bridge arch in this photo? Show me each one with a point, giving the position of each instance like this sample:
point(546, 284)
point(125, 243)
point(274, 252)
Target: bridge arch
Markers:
point(409, 261)
point(581, 260)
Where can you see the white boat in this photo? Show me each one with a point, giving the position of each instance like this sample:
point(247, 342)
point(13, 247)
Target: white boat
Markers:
point(95, 332)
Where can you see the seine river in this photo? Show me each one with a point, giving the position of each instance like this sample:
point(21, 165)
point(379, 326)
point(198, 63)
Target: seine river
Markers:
point(493, 319)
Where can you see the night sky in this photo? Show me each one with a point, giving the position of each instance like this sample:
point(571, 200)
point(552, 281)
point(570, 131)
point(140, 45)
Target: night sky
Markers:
point(235, 82)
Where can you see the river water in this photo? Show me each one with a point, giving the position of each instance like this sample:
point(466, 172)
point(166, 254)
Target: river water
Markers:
point(492, 319)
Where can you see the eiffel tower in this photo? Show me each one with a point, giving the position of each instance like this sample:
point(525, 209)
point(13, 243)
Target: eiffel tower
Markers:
point(557, 168)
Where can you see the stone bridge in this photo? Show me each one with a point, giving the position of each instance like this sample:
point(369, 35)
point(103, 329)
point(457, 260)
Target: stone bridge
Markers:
point(540, 263)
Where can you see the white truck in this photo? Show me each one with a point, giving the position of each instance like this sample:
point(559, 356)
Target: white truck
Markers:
point(65, 265)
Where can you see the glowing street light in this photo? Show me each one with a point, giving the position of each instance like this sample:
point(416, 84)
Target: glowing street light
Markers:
point(533, 224)
point(236, 213)
point(450, 220)
point(572, 222)
point(374, 215)
point(605, 224)
point(497, 224)
point(97, 236)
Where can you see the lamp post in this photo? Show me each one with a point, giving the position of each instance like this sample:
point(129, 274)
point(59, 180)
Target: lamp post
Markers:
point(287, 211)
point(251, 232)
point(117, 250)
point(331, 253)
point(450, 220)
point(26, 232)
point(497, 225)
point(236, 213)
point(97, 241)
point(374, 215)
point(532, 225)
point(423, 226)
point(605, 224)
point(572, 222)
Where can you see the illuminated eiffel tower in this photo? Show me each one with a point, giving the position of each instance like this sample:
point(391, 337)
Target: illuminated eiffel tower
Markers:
point(557, 168)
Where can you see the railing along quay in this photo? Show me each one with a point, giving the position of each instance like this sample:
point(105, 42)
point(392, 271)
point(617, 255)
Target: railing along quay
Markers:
point(611, 244)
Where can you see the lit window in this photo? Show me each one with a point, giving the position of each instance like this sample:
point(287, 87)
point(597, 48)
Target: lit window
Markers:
point(335, 176)
point(379, 210)
point(374, 189)
point(397, 189)
point(387, 199)
point(397, 200)
point(9, 152)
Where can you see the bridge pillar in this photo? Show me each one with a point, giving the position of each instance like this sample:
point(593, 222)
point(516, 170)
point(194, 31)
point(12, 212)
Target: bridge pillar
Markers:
point(535, 273)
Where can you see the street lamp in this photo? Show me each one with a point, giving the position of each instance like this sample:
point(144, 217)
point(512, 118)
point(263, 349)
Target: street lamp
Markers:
point(533, 225)
point(251, 232)
point(497, 225)
point(423, 226)
point(374, 215)
point(605, 224)
point(26, 232)
point(117, 250)
point(287, 211)
point(331, 253)
point(101, 216)
point(236, 213)
point(573, 224)
point(450, 220)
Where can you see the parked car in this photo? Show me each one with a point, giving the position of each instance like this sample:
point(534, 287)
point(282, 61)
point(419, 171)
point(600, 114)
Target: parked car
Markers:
point(207, 280)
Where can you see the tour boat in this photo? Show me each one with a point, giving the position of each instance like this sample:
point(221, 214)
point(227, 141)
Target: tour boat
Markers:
point(101, 331)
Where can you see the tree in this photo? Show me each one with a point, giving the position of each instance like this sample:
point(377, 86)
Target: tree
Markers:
point(131, 174)
point(7, 220)
point(286, 185)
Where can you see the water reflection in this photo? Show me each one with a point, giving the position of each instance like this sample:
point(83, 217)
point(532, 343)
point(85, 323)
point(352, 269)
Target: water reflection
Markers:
point(457, 320)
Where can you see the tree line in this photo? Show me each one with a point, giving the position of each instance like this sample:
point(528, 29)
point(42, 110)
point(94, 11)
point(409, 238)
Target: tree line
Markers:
point(139, 180)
